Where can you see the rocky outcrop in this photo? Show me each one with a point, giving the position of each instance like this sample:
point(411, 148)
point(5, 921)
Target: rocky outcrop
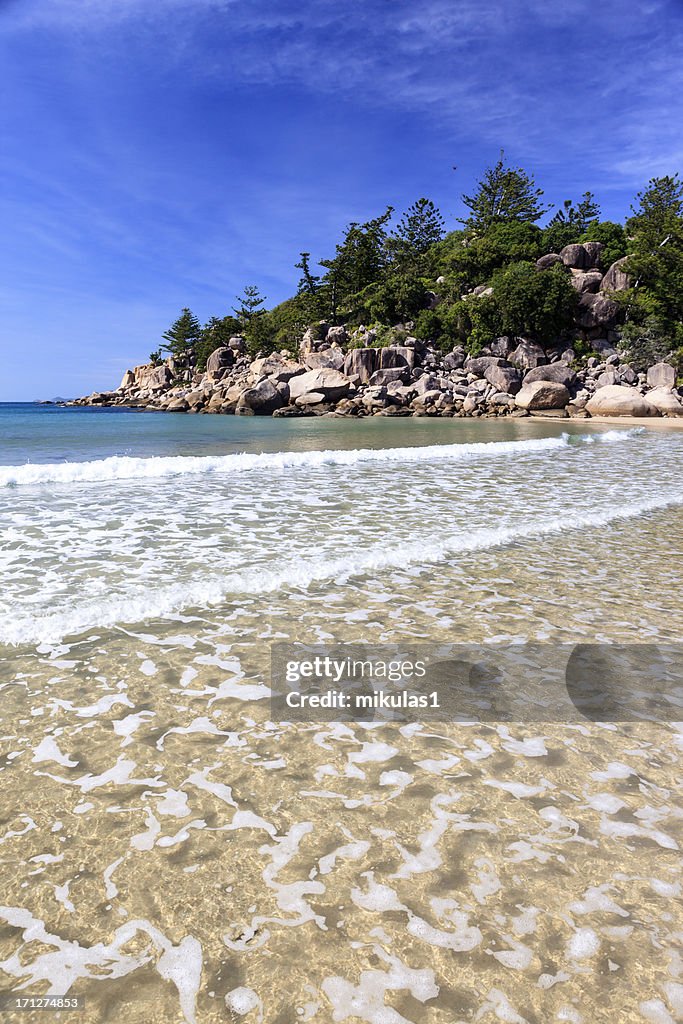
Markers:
point(219, 361)
point(278, 368)
point(582, 256)
point(542, 394)
point(616, 279)
point(361, 363)
point(548, 261)
point(504, 378)
point(665, 401)
point(558, 372)
point(411, 377)
point(331, 384)
point(527, 355)
point(262, 400)
point(597, 311)
point(619, 400)
point(661, 375)
point(329, 358)
point(586, 281)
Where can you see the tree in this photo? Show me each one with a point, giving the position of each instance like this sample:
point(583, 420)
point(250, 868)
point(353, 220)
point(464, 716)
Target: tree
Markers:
point(504, 194)
point(216, 333)
point(359, 261)
point(659, 212)
point(421, 227)
point(394, 299)
point(656, 260)
point(536, 303)
point(580, 216)
point(308, 296)
point(251, 304)
point(255, 321)
point(570, 223)
point(613, 238)
point(502, 244)
point(309, 283)
point(183, 334)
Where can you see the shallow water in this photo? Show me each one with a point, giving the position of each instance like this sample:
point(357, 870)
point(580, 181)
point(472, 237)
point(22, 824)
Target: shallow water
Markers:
point(172, 854)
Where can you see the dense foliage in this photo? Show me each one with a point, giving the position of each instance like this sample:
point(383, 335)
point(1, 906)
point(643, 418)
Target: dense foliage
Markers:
point(471, 285)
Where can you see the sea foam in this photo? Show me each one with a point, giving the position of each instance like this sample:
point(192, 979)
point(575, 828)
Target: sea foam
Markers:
point(124, 467)
point(141, 604)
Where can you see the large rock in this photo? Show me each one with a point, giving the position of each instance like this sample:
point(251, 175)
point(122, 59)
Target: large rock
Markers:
point(527, 355)
point(607, 378)
point(315, 333)
point(586, 281)
point(502, 347)
point(155, 377)
point(396, 355)
point(597, 311)
point(391, 374)
point(177, 405)
point(575, 256)
point(542, 394)
point(361, 362)
point(478, 365)
point(661, 375)
point(330, 358)
point(593, 251)
point(330, 383)
point(261, 400)
point(665, 401)
point(616, 279)
point(238, 344)
point(337, 336)
point(310, 398)
point(218, 362)
point(276, 367)
point(618, 400)
point(455, 360)
point(560, 373)
point(196, 399)
point(504, 378)
point(549, 260)
point(127, 381)
point(426, 383)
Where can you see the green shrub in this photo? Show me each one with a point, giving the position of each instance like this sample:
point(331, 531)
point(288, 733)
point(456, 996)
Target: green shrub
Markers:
point(535, 303)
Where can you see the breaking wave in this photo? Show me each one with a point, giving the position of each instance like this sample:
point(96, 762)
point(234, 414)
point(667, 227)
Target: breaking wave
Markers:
point(122, 467)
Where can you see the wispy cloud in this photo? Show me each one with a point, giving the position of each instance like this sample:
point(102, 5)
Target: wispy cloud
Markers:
point(508, 72)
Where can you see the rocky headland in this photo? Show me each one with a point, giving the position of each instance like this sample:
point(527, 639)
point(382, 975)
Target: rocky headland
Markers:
point(343, 371)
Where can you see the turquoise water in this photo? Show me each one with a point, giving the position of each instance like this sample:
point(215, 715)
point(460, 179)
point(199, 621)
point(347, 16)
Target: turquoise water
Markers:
point(38, 433)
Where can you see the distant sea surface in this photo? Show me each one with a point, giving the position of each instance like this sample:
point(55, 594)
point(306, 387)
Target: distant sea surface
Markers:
point(176, 855)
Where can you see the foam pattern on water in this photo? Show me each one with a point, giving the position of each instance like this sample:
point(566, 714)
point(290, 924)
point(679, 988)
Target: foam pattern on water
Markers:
point(177, 856)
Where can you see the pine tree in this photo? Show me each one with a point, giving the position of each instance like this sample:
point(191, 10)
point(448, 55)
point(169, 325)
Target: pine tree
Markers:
point(580, 216)
point(183, 334)
point(419, 229)
point(360, 258)
point(656, 241)
point(308, 284)
point(659, 212)
point(504, 194)
point(251, 304)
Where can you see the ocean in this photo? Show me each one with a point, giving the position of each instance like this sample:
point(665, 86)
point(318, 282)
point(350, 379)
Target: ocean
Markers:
point(172, 852)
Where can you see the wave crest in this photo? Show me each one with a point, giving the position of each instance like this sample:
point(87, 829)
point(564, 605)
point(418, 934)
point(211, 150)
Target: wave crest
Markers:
point(124, 467)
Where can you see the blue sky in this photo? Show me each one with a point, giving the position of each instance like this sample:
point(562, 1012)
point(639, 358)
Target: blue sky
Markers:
point(162, 153)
